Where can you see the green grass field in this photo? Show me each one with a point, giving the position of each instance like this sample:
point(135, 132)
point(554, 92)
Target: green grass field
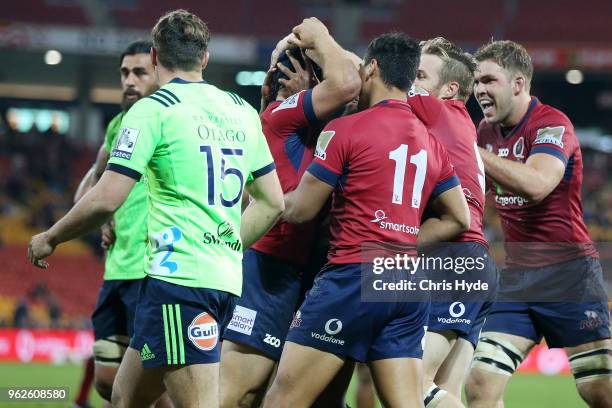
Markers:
point(525, 391)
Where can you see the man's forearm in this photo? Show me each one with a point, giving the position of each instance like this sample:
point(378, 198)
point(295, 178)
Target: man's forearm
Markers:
point(88, 214)
point(256, 220)
point(331, 57)
point(441, 229)
point(518, 178)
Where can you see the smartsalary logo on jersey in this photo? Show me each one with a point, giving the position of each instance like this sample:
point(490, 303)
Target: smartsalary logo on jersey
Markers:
point(380, 217)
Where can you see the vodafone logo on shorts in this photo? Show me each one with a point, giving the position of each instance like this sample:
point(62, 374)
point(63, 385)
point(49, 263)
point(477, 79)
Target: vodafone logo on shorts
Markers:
point(204, 332)
point(456, 309)
point(333, 326)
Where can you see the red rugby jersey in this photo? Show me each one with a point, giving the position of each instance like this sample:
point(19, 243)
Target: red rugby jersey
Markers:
point(290, 128)
point(530, 229)
point(384, 166)
point(449, 122)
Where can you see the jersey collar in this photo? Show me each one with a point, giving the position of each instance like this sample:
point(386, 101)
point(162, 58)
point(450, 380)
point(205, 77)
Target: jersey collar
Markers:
point(392, 103)
point(178, 80)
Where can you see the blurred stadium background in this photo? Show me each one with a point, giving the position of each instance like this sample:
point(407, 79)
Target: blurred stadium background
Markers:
point(59, 86)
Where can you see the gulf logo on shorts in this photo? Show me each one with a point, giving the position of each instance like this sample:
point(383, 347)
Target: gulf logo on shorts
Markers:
point(204, 332)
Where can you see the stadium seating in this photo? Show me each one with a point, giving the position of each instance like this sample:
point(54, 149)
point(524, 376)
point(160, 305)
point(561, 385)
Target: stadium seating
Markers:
point(40, 11)
point(73, 279)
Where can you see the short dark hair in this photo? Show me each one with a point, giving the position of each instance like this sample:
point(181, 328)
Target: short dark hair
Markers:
point(398, 58)
point(137, 47)
point(508, 55)
point(181, 40)
point(278, 74)
point(457, 65)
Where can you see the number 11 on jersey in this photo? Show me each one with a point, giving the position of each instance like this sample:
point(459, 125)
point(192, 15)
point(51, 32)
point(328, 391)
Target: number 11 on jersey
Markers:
point(399, 156)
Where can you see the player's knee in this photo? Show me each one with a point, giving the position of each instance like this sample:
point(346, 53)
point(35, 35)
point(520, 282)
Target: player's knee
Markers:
point(475, 388)
point(497, 355)
point(597, 394)
point(592, 371)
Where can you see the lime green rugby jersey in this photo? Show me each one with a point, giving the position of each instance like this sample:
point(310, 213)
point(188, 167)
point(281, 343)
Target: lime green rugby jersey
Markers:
point(125, 258)
point(198, 146)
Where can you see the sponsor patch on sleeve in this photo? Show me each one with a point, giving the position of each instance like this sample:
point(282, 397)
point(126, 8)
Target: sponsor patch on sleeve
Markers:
point(126, 142)
point(322, 143)
point(289, 103)
point(550, 135)
point(417, 90)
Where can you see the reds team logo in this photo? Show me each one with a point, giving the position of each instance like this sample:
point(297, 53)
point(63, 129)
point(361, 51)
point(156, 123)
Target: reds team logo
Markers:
point(519, 148)
point(204, 332)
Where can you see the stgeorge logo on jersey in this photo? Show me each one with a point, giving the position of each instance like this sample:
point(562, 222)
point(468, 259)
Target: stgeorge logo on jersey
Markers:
point(324, 139)
point(289, 103)
point(126, 142)
point(519, 148)
point(550, 135)
point(204, 332)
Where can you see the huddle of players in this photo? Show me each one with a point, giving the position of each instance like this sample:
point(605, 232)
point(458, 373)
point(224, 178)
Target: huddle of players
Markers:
point(360, 161)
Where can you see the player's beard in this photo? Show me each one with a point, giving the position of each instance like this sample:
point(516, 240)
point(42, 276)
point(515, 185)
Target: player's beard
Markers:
point(126, 102)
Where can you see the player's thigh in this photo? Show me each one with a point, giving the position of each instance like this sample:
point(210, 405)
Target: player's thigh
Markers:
point(398, 381)
point(453, 372)
point(244, 374)
point(303, 373)
point(437, 347)
point(195, 385)
point(334, 395)
point(134, 385)
point(591, 364)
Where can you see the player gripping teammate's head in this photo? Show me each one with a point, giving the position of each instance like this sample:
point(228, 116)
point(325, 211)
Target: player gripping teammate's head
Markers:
point(137, 73)
point(313, 69)
point(180, 42)
point(390, 62)
point(445, 70)
point(502, 79)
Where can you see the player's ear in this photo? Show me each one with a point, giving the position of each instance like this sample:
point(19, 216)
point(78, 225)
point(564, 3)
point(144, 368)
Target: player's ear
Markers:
point(371, 68)
point(450, 90)
point(519, 84)
point(153, 54)
point(205, 60)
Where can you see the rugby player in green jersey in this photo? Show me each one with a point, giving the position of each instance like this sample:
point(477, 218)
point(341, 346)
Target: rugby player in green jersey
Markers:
point(113, 318)
point(200, 148)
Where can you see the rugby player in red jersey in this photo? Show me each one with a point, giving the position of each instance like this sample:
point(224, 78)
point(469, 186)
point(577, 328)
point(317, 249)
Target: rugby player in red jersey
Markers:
point(532, 156)
point(442, 87)
point(273, 265)
point(383, 168)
